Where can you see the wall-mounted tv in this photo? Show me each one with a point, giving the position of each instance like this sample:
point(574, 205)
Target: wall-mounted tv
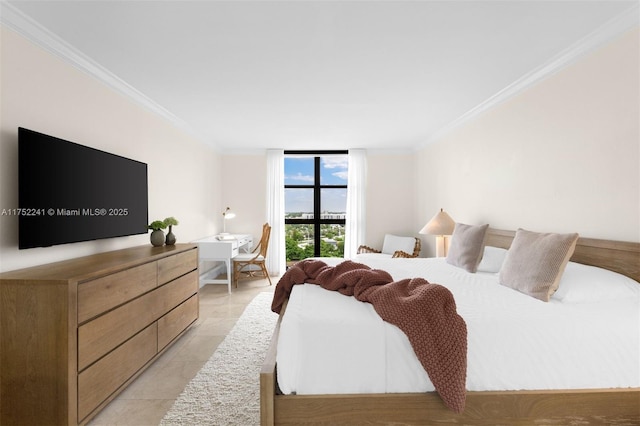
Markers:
point(70, 192)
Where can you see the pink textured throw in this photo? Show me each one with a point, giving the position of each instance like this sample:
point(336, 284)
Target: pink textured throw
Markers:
point(425, 312)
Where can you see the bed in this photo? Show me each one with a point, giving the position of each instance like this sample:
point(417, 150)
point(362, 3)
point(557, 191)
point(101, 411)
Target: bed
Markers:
point(559, 406)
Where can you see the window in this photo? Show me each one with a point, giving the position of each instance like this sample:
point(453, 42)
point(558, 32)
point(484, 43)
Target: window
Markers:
point(315, 194)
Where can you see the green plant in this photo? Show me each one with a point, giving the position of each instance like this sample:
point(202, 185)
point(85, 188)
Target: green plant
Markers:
point(170, 221)
point(157, 225)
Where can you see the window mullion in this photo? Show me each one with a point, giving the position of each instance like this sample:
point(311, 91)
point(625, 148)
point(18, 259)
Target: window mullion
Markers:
point(316, 206)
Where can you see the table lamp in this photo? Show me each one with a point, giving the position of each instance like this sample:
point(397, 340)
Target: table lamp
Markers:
point(441, 225)
point(227, 214)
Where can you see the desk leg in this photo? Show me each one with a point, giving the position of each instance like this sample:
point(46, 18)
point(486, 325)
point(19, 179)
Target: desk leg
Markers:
point(227, 262)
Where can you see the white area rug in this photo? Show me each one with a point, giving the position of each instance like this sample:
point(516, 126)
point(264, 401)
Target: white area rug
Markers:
point(226, 391)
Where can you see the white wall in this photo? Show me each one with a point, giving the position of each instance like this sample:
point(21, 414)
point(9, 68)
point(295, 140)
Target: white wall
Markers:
point(41, 92)
point(563, 156)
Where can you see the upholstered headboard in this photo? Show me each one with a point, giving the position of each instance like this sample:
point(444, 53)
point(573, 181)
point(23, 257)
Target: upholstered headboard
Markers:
point(619, 256)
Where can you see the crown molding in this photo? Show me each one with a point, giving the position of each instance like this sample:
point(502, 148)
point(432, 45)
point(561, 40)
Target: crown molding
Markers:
point(16, 20)
point(13, 18)
point(596, 39)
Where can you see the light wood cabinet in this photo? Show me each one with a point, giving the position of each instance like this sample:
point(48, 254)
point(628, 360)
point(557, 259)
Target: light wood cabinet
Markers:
point(74, 334)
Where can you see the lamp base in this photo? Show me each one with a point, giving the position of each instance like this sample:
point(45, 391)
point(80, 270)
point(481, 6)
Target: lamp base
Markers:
point(442, 246)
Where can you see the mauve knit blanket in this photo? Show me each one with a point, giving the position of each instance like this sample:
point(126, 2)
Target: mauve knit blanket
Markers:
point(425, 312)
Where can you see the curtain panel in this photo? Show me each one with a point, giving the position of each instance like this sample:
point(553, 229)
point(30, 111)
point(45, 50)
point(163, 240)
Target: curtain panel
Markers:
point(356, 202)
point(276, 255)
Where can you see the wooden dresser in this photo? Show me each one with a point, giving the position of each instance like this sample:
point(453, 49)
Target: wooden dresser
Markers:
point(73, 334)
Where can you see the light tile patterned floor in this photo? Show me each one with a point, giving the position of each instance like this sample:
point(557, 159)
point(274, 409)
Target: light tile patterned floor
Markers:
point(150, 396)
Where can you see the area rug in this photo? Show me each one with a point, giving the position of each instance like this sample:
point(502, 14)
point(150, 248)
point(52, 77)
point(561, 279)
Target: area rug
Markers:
point(226, 391)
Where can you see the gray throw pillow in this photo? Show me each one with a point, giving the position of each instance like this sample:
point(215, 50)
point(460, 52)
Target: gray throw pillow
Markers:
point(535, 262)
point(467, 245)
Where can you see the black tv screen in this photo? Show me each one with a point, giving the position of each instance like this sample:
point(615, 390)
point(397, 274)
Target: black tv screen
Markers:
point(70, 192)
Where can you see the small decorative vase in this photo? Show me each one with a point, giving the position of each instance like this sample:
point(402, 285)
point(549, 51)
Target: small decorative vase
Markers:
point(171, 238)
point(157, 238)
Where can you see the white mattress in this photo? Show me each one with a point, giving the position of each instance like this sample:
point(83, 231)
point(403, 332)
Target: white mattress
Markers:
point(331, 343)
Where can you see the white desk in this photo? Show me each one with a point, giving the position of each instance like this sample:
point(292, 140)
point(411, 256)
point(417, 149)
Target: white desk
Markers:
point(221, 249)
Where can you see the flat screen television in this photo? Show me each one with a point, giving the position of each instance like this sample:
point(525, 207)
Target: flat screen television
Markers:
point(69, 192)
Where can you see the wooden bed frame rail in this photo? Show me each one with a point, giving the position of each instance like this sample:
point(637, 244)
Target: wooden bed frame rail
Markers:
point(549, 407)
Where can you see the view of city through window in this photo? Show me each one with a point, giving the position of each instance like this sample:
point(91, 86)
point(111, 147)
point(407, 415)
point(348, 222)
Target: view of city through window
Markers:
point(315, 204)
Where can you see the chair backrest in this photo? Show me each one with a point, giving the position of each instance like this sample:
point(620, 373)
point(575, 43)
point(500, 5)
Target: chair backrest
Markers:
point(392, 243)
point(264, 240)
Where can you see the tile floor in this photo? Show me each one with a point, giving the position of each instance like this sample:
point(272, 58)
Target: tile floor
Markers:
point(152, 394)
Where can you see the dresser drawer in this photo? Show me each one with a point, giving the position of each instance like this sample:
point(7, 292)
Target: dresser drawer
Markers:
point(99, 336)
point(100, 295)
point(99, 381)
point(172, 267)
point(172, 324)
point(174, 293)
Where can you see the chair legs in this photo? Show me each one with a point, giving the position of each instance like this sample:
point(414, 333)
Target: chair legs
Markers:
point(236, 272)
point(265, 272)
point(238, 267)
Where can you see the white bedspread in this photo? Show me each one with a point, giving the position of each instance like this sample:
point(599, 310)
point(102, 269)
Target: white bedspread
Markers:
point(331, 343)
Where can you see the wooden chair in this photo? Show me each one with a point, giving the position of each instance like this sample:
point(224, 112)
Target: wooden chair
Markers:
point(257, 257)
point(396, 246)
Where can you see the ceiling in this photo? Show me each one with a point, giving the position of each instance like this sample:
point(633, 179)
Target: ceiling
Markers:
point(250, 75)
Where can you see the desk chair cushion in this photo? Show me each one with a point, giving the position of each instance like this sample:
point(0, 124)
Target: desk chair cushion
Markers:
point(393, 243)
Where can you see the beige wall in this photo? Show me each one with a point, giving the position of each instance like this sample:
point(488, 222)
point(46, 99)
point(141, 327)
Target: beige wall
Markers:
point(244, 191)
point(391, 191)
point(43, 93)
point(563, 156)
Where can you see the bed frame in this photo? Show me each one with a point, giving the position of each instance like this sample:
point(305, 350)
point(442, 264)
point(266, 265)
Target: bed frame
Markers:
point(552, 407)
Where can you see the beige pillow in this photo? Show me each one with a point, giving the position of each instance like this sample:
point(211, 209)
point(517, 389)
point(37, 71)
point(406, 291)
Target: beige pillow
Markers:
point(535, 262)
point(467, 244)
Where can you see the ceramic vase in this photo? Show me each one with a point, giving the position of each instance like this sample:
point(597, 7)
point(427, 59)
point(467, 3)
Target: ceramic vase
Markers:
point(171, 238)
point(157, 238)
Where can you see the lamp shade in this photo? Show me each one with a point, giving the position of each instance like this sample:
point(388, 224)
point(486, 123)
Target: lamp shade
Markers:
point(228, 214)
point(440, 224)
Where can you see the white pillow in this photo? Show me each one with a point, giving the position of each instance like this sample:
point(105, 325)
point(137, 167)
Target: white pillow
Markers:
point(588, 284)
point(392, 243)
point(492, 259)
point(364, 256)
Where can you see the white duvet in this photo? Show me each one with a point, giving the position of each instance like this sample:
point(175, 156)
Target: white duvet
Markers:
point(331, 343)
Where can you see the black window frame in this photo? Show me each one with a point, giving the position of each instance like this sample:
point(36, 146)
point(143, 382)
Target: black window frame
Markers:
point(317, 187)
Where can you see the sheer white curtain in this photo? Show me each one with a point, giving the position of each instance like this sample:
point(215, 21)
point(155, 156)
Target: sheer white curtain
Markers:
point(356, 197)
point(276, 256)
